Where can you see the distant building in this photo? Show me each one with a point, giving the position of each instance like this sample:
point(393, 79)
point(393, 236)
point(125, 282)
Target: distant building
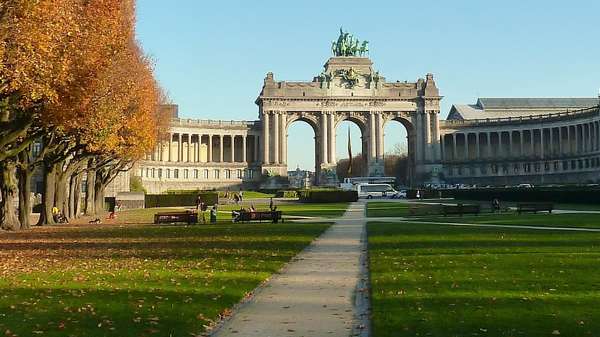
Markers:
point(301, 178)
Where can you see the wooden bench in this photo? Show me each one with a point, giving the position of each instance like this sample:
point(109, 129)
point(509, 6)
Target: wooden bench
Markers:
point(461, 209)
point(188, 217)
point(245, 216)
point(535, 207)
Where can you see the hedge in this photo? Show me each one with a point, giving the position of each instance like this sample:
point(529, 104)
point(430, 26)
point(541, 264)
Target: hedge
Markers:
point(567, 195)
point(287, 194)
point(324, 196)
point(182, 199)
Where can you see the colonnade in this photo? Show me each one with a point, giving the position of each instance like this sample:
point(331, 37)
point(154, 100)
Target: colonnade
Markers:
point(540, 142)
point(207, 148)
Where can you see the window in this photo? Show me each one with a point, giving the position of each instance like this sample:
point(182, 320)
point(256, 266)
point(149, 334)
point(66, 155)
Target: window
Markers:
point(176, 173)
point(168, 173)
point(186, 174)
point(516, 168)
point(556, 166)
point(227, 174)
point(160, 173)
point(153, 171)
point(206, 174)
point(240, 174)
point(195, 174)
point(216, 174)
point(148, 173)
point(536, 167)
point(250, 174)
point(546, 166)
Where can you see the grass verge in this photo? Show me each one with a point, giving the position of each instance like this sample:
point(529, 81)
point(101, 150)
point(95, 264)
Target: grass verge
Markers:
point(430, 280)
point(136, 280)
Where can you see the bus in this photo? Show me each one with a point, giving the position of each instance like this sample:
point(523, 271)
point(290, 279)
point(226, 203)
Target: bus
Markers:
point(370, 191)
point(350, 183)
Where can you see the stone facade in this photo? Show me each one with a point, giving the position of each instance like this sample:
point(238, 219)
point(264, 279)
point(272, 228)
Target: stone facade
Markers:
point(495, 141)
point(522, 140)
point(349, 89)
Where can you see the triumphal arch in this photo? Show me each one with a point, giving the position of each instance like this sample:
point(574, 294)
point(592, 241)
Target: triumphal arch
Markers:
point(350, 89)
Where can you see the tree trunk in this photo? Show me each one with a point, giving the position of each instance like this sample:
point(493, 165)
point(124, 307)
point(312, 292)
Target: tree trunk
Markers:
point(8, 192)
point(48, 196)
point(24, 195)
point(77, 196)
point(60, 191)
point(90, 197)
point(99, 197)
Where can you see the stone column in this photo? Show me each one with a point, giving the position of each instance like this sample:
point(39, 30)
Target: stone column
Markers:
point(221, 138)
point(275, 135)
point(551, 147)
point(521, 148)
point(436, 136)
point(232, 148)
point(560, 141)
point(256, 148)
point(532, 133)
point(427, 136)
point(379, 131)
point(372, 137)
point(569, 145)
point(324, 154)
point(466, 149)
point(190, 149)
point(331, 136)
point(542, 147)
point(244, 154)
point(283, 138)
point(489, 144)
point(171, 147)
point(265, 137)
point(510, 143)
point(477, 147)
point(454, 148)
point(209, 150)
point(418, 136)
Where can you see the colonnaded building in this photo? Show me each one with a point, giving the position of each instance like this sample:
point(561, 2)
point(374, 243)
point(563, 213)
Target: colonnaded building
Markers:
point(496, 141)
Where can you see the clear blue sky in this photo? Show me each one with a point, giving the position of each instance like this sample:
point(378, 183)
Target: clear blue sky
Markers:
point(211, 56)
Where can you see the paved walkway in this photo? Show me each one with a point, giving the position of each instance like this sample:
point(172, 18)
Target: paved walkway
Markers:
point(314, 296)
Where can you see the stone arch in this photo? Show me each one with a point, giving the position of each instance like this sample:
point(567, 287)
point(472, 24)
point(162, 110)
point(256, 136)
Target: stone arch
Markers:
point(360, 121)
point(312, 120)
point(405, 120)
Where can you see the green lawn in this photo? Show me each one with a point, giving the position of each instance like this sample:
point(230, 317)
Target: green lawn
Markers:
point(330, 210)
point(540, 219)
point(378, 209)
point(136, 280)
point(430, 280)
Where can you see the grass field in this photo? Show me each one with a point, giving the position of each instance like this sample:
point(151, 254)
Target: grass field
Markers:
point(430, 280)
point(332, 210)
point(379, 209)
point(136, 280)
point(540, 219)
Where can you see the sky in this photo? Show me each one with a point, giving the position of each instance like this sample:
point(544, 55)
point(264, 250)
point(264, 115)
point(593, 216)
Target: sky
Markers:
point(212, 56)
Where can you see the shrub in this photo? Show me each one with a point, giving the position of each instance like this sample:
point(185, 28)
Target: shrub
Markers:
point(287, 194)
point(135, 184)
point(579, 195)
point(325, 196)
point(182, 199)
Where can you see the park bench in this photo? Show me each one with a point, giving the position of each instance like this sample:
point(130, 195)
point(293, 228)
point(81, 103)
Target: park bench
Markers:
point(535, 207)
point(260, 216)
point(188, 217)
point(461, 209)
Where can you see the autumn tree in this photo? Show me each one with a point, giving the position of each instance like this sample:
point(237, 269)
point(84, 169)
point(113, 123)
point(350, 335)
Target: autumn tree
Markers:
point(73, 79)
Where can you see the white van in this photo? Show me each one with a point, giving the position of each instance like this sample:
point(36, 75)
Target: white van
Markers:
point(370, 191)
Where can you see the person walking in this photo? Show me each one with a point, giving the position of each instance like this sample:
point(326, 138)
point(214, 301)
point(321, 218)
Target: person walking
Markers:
point(241, 195)
point(271, 205)
point(199, 209)
point(213, 214)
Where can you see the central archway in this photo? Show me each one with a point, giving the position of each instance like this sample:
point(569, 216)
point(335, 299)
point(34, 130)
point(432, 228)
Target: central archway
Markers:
point(303, 171)
point(399, 150)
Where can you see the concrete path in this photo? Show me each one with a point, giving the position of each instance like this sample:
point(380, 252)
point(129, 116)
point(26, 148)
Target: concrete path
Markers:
point(315, 295)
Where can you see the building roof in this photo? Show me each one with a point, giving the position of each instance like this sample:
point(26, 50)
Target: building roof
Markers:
point(518, 107)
